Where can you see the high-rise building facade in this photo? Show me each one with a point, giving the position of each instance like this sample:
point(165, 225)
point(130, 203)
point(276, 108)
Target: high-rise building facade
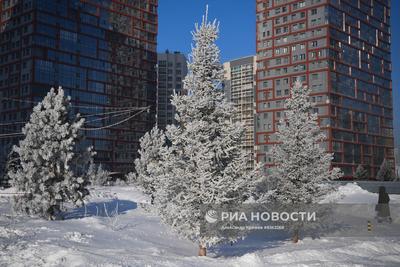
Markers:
point(171, 70)
point(103, 53)
point(341, 50)
point(239, 87)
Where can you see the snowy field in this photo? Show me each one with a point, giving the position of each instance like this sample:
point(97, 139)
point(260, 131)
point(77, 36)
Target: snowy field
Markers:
point(95, 237)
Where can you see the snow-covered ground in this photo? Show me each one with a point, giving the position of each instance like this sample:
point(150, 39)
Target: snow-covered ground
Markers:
point(94, 237)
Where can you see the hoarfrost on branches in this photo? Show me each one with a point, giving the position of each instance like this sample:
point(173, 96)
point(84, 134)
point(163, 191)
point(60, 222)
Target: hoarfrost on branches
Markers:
point(199, 160)
point(147, 166)
point(97, 175)
point(45, 178)
point(302, 166)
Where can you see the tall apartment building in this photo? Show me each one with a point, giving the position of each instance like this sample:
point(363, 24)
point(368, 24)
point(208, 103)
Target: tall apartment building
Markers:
point(341, 50)
point(239, 87)
point(172, 69)
point(103, 53)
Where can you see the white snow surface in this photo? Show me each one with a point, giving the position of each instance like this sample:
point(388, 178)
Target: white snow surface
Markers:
point(351, 193)
point(137, 238)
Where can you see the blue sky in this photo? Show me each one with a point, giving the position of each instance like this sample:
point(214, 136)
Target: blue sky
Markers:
point(237, 36)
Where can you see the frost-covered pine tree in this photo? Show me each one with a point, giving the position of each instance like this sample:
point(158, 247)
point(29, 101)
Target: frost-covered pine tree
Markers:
point(385, 172)
point(147, 166)
point(361, 173)
point(302, 166)
point(45, 179)
point(97, 175)
point(203, 162)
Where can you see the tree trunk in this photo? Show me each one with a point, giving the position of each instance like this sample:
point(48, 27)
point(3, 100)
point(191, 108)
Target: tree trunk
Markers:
point(202, 250)
point(295, 237)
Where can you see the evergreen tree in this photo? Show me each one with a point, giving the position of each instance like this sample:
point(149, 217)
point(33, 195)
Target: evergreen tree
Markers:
point(203, 162)
point(361, 173)
point(45, 178)
point(147, 166)
point(302, 167)
point(385, 172)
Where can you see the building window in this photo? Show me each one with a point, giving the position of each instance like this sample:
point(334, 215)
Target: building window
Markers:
point(313, 54)
point(313, 11)
point(314, 44)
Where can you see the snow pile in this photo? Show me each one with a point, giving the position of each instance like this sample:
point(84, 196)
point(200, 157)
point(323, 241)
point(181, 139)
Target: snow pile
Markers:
point(351, 193)
point(10, 233)
point(336, 252)
point(250, 259)
point(77, 237)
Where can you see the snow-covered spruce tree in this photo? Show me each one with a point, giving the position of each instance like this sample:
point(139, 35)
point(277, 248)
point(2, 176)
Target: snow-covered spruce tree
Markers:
point(203, 162)
point(45, 179)
point(361, 173)
point(97, 175)
point(147, 166)
point(302, 166)
point(385, 172)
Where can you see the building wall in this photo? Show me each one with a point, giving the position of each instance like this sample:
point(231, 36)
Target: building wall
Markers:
point(397, 164)
point(103, 53)
point(341, 50)
point(172, 69)
point(239, 87)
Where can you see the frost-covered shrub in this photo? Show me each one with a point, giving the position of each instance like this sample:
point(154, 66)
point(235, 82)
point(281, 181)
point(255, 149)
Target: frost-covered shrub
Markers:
point(361, 173)
point(385, 172)
point(97, 175)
